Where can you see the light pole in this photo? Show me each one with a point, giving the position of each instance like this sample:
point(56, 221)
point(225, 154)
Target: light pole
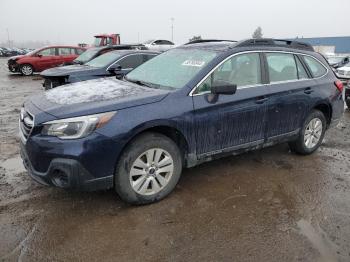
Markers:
point(172, 29)
point(8, 37)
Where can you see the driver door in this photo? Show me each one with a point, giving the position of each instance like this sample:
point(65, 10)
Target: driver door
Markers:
point(47, 59)
point(228, 122)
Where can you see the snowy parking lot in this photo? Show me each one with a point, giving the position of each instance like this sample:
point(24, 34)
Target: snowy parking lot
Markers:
point(266, 205)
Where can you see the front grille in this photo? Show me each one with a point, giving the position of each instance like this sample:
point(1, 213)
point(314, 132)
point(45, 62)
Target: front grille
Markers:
point(26, 124)
point(52, 83)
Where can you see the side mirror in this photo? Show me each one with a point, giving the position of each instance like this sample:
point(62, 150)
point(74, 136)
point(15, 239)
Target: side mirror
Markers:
point(39, 55)
point(114, 69)
point(223, 88)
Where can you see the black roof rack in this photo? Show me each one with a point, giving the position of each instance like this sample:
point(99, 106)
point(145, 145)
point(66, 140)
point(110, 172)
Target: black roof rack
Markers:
point(208, 41)
point(276, 42)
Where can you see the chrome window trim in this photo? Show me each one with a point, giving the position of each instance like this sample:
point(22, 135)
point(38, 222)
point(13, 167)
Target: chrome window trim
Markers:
point(191, 93)
point(128, 56)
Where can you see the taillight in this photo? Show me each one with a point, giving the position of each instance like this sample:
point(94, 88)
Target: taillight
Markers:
point(339, 85)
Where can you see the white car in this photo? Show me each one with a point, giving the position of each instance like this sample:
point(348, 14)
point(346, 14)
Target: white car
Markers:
point(344, 71)
point(158, 45)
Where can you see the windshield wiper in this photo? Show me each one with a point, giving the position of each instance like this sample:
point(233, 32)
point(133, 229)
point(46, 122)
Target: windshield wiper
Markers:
point(141, 83)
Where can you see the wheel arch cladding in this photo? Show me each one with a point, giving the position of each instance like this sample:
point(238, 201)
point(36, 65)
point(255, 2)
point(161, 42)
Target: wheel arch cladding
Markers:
point(171, 132)
point(326, 109)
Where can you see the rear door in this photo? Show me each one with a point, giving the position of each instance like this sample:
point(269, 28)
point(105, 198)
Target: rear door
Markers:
point(289, 93)
point(228, 122)
point(65, 55)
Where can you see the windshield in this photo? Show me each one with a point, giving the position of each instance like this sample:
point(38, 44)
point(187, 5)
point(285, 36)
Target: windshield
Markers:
point(172, 69)
point(86, 56)
point(34, 51)
point(104, 60)
point(148, 42)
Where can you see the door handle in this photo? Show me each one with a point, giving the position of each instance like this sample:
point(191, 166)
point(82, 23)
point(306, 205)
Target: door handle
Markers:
point(308, 90)
point(261, 100)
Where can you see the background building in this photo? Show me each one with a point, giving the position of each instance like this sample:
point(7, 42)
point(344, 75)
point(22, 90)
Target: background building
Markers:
point(338, 45)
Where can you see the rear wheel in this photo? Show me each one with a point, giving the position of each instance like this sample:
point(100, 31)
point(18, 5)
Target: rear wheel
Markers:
point(311, 134)
point(26, 69)
point(148, 169)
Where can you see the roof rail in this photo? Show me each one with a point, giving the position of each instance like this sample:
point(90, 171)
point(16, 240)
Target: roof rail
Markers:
point(276, 42)
point(208, 41)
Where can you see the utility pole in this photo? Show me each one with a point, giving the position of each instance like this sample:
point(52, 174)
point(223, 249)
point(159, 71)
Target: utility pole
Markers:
point(172, 29)
point(8, 37)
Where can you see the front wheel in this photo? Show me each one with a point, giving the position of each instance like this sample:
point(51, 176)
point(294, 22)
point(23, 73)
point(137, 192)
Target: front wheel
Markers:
point(148, 169)
point(26, 69)
point(311, 134)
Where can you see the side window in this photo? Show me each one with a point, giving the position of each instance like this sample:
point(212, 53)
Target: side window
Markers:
point(166, 42)
point(301, 70)
point(64, 51)
point(241, 70)
point(48, 52)
point(74, 51)
point(131, 61)
point(148, 57)
point(282, 67)
point(109, 41)
point(316, 67)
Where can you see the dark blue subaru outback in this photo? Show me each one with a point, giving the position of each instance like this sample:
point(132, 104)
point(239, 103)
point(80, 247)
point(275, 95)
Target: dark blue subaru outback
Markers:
point(188, 105)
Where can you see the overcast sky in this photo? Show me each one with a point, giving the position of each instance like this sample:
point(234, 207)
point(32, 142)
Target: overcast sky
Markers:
point(76, 21)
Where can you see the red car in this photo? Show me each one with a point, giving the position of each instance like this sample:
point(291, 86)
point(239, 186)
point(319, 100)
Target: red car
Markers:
point(43, 58)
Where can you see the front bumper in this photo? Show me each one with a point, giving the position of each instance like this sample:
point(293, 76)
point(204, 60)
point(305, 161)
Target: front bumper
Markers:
point(13, 66)
point(75, 167)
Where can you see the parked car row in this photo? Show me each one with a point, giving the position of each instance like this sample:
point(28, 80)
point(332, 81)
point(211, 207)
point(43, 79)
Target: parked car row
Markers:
point(53, 56)
point(6, 51)
point(185, 106)
point(343, 74)
point(113, 63)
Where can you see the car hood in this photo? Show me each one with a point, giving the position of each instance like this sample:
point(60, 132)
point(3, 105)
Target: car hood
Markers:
point(95, 96)
point(70, 70)
point(16, 57)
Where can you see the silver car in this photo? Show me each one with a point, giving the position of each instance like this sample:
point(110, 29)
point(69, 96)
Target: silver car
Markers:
point(159, 45)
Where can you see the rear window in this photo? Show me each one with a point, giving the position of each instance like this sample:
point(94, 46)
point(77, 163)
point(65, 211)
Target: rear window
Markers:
point(317, 69)
point(79, 51)
point(282, 67)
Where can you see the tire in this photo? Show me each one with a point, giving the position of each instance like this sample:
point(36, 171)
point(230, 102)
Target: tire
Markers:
point(26, 69)
point(311, 134)
point(149, 183)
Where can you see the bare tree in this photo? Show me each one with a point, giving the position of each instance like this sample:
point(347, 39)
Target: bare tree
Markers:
point(194, 38)
point(257, 33)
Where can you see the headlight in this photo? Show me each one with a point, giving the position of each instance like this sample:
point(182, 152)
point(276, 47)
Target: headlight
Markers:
point(76, 127)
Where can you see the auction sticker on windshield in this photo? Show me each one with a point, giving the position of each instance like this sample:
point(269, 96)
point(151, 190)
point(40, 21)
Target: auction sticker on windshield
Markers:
point(196, 63)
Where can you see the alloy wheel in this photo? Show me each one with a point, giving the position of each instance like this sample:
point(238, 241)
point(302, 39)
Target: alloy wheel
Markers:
point(313, 133)
point(27, 70)
point(151, 171)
